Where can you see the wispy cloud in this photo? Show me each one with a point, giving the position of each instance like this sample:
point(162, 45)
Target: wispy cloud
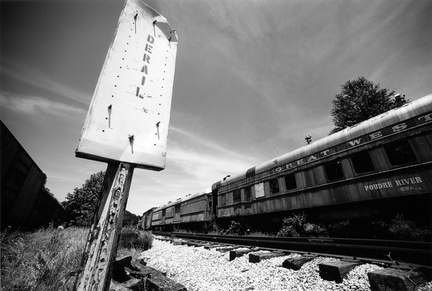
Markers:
point(35, 105)
point(199, 140)
point(204, 159)
point(201, 165)
point(39, 80)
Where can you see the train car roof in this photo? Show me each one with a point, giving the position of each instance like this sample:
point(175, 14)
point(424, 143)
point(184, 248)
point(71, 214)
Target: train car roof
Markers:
point(184, 199)
point(151, 209)
point(391, 117)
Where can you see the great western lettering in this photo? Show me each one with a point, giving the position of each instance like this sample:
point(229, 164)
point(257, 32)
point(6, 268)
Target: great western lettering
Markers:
point(354, 143)
point(390, 130)
point(145, 70)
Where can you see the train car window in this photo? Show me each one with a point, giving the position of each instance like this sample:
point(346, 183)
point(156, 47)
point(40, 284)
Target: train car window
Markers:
point(229, 198)
point(248, 194)
point(237, 196)
point(290, 182)
point(223, 200)
point(334, 171)
point(399, 153)
point(177, 208)
point(274, 186)
point(169, 212)
point(362, 162)
point(259, 190)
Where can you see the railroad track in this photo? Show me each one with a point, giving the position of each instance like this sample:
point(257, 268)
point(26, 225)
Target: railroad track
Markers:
point(390, 252)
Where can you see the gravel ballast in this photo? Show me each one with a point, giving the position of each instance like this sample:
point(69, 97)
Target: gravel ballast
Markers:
point(201, 269)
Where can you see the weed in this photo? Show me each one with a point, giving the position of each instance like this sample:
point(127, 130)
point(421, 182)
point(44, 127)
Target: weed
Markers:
point(404, 229)
point(42, 260)
point(297, 226)
point(132, 238)
point(237, 228)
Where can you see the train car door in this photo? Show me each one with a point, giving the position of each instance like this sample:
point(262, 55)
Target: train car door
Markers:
point(215, 190)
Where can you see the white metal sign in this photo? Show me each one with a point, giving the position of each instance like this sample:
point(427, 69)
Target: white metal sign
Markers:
point(129, 114)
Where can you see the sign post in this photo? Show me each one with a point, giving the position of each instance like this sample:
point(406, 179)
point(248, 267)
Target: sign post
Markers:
point(126, 126)
point(102, 241)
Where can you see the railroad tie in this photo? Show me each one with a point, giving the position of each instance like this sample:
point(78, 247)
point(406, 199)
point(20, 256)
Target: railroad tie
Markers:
point(264, 255)
point(395, 279)
point(336, 271)
point(296, 263)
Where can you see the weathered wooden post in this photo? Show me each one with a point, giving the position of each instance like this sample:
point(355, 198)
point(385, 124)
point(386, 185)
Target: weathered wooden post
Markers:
point(102, 241)
point(126, 126)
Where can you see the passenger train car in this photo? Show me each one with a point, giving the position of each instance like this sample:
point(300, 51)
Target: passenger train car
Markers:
point(193, 211)
point(375, 169)
point(25, 202)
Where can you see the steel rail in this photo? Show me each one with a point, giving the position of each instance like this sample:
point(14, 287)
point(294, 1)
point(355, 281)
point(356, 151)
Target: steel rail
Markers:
point(391, 251)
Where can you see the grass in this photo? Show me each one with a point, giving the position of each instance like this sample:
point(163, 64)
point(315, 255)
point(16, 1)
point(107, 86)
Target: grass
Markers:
point(49, 259)
point(131, 238)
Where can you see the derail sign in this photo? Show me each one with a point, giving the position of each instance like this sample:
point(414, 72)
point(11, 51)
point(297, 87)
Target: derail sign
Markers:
point(129, 114)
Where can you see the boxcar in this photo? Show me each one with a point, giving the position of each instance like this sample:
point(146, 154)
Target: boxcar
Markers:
point(375, 168)
point(25, 202)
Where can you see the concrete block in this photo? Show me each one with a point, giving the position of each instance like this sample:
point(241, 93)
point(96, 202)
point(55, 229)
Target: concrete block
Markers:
point(336, 271)
point(395, 279)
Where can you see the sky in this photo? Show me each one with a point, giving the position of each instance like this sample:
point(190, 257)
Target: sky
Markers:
point(252, 79)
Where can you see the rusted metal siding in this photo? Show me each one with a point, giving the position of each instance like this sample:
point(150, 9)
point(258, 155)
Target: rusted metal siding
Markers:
point(194, 210)
point(156, 218)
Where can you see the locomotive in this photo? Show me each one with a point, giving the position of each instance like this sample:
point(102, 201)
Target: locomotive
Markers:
point(372, 170)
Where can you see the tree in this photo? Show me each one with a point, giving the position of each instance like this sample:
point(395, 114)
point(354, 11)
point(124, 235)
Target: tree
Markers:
point(82, 204)
point(360, 100)
point(130, 219)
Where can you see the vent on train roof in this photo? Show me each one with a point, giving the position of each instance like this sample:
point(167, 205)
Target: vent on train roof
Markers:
point(250, 172)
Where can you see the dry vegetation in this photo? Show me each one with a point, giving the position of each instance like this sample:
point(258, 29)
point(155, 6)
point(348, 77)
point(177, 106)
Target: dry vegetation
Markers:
point(49, 259)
